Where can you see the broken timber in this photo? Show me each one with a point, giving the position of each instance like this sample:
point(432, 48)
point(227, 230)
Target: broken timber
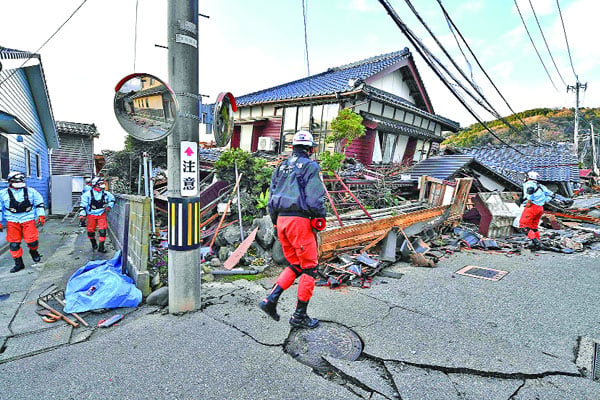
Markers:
point(438, 199)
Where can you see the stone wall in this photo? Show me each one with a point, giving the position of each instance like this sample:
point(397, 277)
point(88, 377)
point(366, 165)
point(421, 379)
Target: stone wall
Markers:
point(138, 250)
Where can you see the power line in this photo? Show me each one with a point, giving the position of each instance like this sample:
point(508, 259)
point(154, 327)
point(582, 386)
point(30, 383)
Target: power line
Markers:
point(449, 19)
point(491, 109)
point(304, 12)
point(413, 39)
point(566, 40)
point(478, 100)
point(135, 35)
point(533, 44)
point(546, 43)
point(45, 42)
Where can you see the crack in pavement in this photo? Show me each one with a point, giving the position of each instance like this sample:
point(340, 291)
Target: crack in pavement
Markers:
point(245, 333)
point(471, 371)
point(512, 396)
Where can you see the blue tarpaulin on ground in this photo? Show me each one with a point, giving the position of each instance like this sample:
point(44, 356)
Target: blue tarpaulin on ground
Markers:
point(100, 284)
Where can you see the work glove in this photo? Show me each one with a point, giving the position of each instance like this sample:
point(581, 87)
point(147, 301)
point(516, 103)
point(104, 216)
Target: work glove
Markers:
point(41, 220)
point(1, 227)
point(107, 209)
point(529, 203)
point(318, 224)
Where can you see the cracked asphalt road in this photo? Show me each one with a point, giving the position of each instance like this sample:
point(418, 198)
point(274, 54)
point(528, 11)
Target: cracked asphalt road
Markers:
point(431, 334)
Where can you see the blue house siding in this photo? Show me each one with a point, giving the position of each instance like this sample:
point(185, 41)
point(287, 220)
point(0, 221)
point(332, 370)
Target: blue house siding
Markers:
point(17, 99)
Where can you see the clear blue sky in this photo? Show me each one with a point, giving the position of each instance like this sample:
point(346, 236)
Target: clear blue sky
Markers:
point(251, 45)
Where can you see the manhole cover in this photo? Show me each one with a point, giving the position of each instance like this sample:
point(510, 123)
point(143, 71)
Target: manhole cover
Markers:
point(328, 339)
point(482, 272)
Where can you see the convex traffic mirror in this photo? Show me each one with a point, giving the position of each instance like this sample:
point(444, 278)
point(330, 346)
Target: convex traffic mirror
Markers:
point(223, 118)
point(145, 107)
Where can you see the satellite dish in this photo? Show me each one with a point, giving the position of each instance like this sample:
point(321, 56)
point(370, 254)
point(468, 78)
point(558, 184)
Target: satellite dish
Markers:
point(145, 107)
point(223, 118)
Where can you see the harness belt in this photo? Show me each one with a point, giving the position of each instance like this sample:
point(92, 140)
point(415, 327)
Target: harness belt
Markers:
point(98, 204)
point(19, 207)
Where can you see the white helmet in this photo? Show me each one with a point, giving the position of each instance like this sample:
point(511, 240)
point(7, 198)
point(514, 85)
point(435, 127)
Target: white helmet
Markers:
point(303, 138)
point(533, 175)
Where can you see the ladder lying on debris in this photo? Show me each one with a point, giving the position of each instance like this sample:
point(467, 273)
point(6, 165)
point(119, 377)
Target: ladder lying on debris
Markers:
point(72, 214)
point(342, 197)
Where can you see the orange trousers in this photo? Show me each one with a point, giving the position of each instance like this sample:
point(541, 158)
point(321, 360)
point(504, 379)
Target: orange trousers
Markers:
point(530, 219)
point(97, 220)
point(300, 249)
point(15, 232)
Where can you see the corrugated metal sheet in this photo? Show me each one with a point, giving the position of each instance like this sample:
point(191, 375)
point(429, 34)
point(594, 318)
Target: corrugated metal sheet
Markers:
point(17, 99)
point(75, 156)
point(440, 167)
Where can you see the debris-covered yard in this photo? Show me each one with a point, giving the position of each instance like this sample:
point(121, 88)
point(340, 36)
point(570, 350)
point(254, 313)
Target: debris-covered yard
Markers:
point(377, 217)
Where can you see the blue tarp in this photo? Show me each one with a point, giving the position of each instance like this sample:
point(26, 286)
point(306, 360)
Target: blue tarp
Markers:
point(112, 289)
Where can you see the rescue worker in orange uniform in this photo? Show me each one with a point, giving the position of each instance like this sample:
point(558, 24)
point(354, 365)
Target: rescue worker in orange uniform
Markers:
point(95, 204)
point(296, 206)
point(86, 188)
point(536, 196)
point(22, 207)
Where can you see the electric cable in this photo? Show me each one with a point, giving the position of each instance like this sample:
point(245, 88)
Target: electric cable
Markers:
point(409, 35)
point(533, 44)
point(546, 43)
point(449, 19)
point(36, 53)
point(491, 109)
point(135, 35)
point(461, 50)
point(566, 40)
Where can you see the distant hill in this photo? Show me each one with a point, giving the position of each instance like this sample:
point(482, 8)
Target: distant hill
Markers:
point(556, 124)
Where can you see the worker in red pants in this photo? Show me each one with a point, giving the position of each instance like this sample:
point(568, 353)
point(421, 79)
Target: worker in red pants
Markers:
point(95, 204)
point(535, 195)
point(22, 207)
point(296, 206)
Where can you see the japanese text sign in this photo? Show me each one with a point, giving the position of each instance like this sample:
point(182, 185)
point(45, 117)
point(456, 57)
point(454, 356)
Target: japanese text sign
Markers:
point(189, 169)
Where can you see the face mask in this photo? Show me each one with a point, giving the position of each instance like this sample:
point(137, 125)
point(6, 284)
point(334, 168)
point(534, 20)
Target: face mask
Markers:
point(18, 185)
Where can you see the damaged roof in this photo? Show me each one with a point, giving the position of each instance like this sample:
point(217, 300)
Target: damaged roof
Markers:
point(555, 162)
point(76, 128)
point(334, 80)
point(451, 166)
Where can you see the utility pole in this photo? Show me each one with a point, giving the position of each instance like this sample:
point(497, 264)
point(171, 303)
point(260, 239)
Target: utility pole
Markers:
point(594, 162)
point(576, 88)
point(539, 132)
point(184, 254)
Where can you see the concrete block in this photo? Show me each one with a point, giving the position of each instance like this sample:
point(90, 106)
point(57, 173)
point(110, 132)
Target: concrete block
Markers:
point(142, 281)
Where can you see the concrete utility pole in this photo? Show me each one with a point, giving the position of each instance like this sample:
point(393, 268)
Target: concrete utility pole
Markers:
point(594, 162)
point(184, 254)
point(576, 88)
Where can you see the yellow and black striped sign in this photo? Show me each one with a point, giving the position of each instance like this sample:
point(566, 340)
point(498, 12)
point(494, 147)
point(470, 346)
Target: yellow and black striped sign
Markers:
point(184, 223)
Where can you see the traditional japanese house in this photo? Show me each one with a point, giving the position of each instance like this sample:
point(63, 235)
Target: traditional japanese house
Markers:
point(27, 130)
point(386, 90)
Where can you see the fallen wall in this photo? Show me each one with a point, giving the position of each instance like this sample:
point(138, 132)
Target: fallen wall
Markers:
point(138, 248)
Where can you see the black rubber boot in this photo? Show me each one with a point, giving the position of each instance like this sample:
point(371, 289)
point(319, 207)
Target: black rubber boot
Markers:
point(35, 256)
point(300, 319)
point(269, 305)
point(94, 244)
point(101, 248)
point(19, 265)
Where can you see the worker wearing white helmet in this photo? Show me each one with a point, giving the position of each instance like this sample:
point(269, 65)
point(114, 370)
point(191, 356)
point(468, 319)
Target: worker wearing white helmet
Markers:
point(95, 204)
point(22, 207)
point(536, 195)
point(296, 206)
